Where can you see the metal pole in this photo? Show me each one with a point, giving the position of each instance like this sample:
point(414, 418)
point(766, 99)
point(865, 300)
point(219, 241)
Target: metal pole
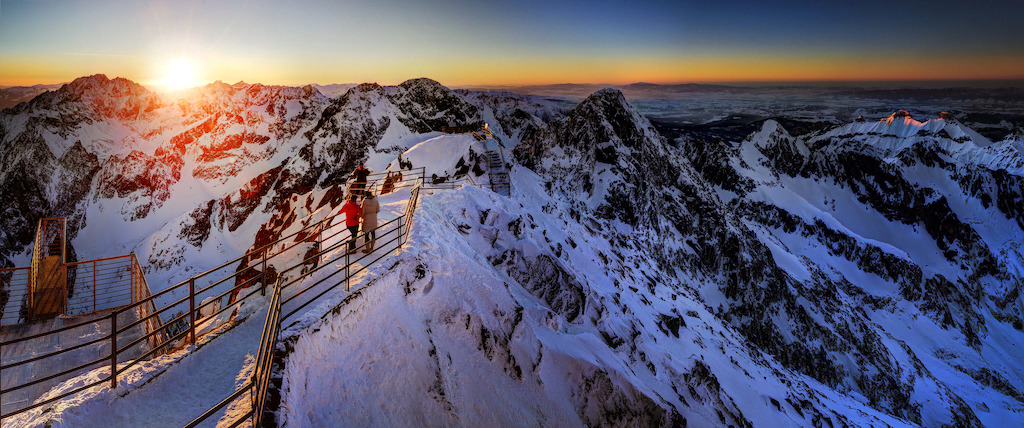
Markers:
point(64, 241)
point(131, 281)
point(113, 350)
point(348, 271)
point(263, 275)
point(192, 310)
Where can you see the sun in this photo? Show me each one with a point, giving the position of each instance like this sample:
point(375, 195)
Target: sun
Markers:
point(177, 74)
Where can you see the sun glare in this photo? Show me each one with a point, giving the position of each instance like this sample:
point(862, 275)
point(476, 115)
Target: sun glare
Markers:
point(178, 74)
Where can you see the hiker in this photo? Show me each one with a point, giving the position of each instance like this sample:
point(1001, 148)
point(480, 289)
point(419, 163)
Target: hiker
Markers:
point(370, 210)
point(403, 164)
point(352, 212)
point(359, 184)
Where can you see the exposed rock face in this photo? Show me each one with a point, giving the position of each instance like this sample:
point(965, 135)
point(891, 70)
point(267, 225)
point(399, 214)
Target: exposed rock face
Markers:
point(724, 214)
point(99, 145)
point(862, 274)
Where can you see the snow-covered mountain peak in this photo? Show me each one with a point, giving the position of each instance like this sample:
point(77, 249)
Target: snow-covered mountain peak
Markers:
point(423, 84)
point(864, 276)
point(1016, 135)
point(117, 98)
point(899, 131)
point(770, 130)
point(99, 89)
point(218, 87)
point(367, 87)
point(772, 147)
point(900, 116)
point(99, 85)
point(605, 99)
point(606, 117)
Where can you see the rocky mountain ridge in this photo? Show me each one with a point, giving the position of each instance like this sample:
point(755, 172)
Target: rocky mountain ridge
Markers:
point(795, 237)
point(865, 274)
point(113, 149)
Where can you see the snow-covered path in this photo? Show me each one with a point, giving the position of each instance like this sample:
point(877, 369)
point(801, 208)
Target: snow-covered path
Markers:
point(174, 389)
point(170, 390)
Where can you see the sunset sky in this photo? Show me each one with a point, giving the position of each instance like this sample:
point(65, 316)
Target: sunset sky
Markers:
point(178, 43)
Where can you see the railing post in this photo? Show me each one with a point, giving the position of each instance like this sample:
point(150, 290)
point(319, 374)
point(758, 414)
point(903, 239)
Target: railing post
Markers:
point(131, 281)
point(348, 271)
point(263, 275)
point(113, 350)
point(192, 310)
point(320, 237)
point(64, 240)
point(94, 286)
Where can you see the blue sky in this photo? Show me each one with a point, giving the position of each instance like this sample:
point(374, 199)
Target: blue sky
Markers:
point(528, 42)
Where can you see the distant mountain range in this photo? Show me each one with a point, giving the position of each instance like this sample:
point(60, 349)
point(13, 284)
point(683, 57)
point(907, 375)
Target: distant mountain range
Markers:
point(860, 273)
point(10, 96)
point(1002, 89)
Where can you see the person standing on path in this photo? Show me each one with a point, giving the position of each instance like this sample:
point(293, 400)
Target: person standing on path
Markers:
point(359, 184)
point(352, 212)
point(370, 210)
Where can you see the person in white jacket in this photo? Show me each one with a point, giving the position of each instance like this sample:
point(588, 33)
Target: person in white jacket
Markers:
point(370, 210)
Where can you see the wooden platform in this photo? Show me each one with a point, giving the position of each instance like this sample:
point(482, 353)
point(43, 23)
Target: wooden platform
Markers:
point(51, 288)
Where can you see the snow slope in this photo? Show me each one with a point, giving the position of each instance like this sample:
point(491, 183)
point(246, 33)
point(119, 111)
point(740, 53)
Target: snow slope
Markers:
point(865, 275)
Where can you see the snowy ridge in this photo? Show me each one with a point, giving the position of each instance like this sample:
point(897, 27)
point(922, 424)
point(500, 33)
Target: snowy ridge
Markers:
point(899, 132)
point(590, 266)
point(867, 275)
point(213, 165)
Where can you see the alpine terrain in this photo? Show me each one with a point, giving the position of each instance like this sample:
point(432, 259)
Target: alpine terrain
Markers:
point(866, 273)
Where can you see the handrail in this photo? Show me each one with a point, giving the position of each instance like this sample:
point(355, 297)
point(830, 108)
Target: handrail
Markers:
point(265, 356)
point(260, 380)
point(105, 259)
point(16, 282)
point(143, 302)
point(223, 403)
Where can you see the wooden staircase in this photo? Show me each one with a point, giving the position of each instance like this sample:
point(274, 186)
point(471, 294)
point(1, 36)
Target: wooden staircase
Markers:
point(48, 275)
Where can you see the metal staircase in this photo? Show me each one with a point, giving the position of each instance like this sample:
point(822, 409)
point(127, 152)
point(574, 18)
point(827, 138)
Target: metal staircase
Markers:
point(499, 179)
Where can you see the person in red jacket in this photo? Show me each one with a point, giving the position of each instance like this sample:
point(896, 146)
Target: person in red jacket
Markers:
point(352, 212)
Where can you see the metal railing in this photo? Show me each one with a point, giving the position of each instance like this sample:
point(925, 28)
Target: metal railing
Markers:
point(199, 311)
point(100, 284)
point(390, 236)
point(265, 358)
point(125, 291)
point(259, 382)
point(375, 181)
point(14, 295)
point(201, 293)
point(452, 183)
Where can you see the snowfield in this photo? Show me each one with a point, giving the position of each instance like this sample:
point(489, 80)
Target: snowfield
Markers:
point(865, 274)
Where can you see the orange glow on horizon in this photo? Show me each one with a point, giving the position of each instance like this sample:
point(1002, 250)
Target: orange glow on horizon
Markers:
point(720, 68)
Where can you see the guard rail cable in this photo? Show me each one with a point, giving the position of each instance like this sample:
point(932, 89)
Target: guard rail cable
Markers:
point(393, 233)
point(164, 336)
point(180, 330)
